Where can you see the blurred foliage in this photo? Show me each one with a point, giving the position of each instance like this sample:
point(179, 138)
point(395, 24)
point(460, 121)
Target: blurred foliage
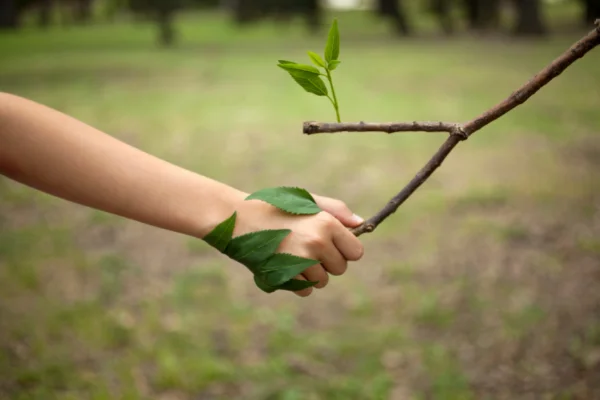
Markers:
point(521, 17)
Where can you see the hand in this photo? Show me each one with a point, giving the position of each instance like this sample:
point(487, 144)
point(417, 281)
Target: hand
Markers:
point(323, 236)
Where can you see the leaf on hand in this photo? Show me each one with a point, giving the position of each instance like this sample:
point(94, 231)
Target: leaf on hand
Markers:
point(262, 285)
point(254, 248)
point(282, 267)
point(296, 285)
point(332, 49)
point(221, 235)
point(334, 64)
point(289, 199)
point(316, 59)
point(293, 285)
point(291, 67)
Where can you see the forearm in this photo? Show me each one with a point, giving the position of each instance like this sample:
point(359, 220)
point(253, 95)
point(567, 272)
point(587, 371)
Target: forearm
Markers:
point(64, 157)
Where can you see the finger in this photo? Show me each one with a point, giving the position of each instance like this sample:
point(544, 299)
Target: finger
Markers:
point(317, 273)
point(351, 248)
point(333, 261)
point(305, 292)
point(339, 210)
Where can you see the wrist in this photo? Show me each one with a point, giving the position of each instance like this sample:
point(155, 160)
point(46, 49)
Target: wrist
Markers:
point(225, 201)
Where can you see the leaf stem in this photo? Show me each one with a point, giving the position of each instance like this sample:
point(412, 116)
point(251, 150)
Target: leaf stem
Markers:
point(335, 101)
point(331, 100)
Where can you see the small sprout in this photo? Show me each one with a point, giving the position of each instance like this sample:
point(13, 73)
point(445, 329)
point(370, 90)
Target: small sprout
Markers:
point(309, 77)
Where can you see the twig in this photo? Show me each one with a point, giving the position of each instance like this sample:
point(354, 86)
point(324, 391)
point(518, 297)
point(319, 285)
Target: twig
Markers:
point(458, 132)
point(312, 127)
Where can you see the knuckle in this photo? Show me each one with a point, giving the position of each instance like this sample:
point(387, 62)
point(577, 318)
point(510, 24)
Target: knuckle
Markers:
point(316, 242)
point(329, 221)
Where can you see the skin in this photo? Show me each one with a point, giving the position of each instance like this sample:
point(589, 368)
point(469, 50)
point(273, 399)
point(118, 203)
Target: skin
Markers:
point(59, 155)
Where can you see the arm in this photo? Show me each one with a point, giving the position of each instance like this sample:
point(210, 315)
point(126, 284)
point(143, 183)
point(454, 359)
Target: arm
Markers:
point(52, 152)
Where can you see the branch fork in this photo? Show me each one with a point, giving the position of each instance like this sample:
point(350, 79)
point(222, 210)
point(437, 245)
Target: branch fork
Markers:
point(458, 132)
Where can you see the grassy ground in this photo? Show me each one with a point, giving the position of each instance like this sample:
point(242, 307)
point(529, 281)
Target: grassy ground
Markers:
point(483, 286)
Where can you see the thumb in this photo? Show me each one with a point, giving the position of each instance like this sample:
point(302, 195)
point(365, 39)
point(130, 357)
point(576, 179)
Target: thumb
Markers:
point(339, 210)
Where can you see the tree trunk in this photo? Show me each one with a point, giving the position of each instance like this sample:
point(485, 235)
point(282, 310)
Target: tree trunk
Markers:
point(313, 15)
point(529, 18)
point(45, 13)
point(9, 14)
point(482, 14)
point(244, 11)
point(441, 8)
point(472, 13)
point(591, 11)
point(83, 11)
point(394, 9)
point(166, 36)
point(490, 14)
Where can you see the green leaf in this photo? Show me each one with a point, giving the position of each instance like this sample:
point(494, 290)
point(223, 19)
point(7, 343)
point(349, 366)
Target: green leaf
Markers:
point(282, 267)
point(332, 49)
point(262, 285)
point(293, 285)
point(291, 67)
point(312, 84)
point(317, 60)
point(254, 248)
point(296, 285)
point(306, 76)
point(334, 64)
point(220, 237)
point(289, 199)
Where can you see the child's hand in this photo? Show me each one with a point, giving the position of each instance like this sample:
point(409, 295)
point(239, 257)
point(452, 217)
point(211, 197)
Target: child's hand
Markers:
point(323, 236)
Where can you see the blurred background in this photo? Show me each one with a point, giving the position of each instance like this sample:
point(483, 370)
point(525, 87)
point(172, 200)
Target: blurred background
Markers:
point(484, 285)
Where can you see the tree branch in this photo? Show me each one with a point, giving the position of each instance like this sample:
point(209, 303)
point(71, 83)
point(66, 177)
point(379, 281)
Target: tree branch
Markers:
point(312, 127)
point(458, 132)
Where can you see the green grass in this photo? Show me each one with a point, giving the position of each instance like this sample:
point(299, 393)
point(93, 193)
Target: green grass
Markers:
point(496, 253)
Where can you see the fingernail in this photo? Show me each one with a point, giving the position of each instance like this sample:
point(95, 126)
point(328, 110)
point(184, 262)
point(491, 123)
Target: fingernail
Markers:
point(357, 219)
